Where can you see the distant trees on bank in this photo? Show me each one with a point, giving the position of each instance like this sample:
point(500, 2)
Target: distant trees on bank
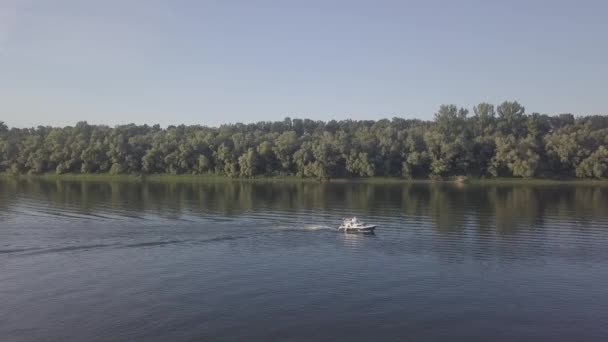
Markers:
point(500, 141)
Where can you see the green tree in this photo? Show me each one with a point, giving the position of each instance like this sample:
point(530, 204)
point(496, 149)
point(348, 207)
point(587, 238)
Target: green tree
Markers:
point(484, 120)
point(249, 163)
point(596, 165)
point(511, 118)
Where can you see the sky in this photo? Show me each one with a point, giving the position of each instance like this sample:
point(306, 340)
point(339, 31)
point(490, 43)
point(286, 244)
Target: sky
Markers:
point(213, 62)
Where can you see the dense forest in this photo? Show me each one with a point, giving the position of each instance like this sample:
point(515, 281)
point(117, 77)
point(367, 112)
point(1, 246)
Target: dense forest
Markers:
point(500, 141)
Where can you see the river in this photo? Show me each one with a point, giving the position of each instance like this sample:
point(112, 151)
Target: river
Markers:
point(262, 261)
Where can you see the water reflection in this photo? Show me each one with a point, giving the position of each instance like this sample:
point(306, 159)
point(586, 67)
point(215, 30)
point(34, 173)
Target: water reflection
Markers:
point(354, 240)
point(506, 209)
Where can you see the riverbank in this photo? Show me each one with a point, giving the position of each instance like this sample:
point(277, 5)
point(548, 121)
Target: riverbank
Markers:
point(295, 179)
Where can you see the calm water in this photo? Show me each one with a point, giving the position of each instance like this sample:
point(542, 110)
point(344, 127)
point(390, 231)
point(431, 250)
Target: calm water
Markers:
point(260, 261)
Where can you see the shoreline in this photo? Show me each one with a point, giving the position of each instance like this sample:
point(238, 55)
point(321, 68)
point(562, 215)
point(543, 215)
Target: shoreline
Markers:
point(297, 179)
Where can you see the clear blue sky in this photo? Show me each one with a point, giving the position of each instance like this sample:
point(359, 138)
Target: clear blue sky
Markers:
point(210, 62)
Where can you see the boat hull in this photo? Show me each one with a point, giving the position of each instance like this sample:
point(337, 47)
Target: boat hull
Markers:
point(366, 229)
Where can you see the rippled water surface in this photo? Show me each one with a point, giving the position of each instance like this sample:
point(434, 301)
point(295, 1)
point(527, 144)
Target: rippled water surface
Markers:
point(83, 260)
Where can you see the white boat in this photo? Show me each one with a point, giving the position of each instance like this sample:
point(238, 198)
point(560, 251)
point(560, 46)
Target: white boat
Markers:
point(354, 225)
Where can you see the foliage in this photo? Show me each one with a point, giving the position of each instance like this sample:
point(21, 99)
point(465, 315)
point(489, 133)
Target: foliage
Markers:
point(501, 141)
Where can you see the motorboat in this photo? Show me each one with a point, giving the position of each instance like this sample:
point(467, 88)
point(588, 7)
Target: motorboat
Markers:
point(354, 225)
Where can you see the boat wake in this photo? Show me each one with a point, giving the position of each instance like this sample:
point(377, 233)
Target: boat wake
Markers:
point(304, 228)
point(317, 227)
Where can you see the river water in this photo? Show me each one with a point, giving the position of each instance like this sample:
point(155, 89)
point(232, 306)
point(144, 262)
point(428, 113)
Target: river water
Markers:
point(261, 261)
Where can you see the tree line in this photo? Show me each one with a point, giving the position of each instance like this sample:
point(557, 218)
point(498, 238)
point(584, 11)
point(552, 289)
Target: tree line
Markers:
point(501, 141)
